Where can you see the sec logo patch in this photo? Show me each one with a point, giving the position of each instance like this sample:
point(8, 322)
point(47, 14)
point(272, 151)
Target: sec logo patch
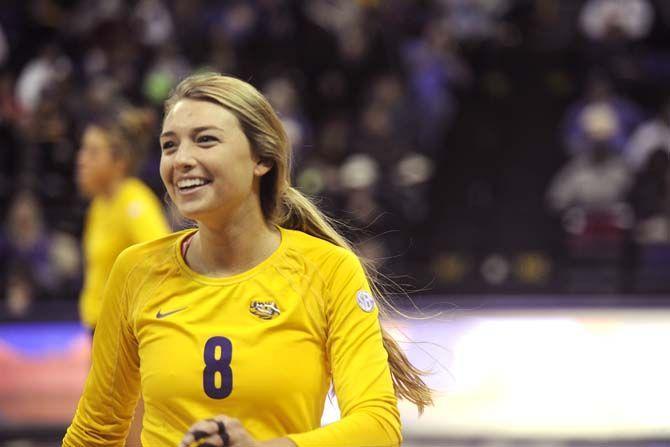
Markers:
point(365, 301)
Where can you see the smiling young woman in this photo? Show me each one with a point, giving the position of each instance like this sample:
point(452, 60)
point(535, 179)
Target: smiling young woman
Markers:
point(235, 330)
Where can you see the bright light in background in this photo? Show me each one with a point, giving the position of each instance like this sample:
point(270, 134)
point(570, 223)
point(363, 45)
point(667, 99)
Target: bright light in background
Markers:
point(568, 374)
point(514, 374)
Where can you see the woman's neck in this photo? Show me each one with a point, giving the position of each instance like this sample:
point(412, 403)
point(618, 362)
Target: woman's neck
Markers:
point(232, 247)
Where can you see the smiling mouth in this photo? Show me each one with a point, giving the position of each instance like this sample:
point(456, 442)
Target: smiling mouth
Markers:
point(193, 184)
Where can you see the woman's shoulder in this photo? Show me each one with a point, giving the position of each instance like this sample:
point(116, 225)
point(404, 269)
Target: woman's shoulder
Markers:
point(151, 252)
point(321, 252)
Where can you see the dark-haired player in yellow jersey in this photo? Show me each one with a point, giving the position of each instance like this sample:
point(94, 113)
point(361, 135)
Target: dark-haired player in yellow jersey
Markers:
point(234, 331)
point(123, 210)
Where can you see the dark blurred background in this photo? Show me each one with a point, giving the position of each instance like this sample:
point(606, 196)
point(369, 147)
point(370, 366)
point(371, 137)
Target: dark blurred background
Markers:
point(494, 153)
point(497, 146)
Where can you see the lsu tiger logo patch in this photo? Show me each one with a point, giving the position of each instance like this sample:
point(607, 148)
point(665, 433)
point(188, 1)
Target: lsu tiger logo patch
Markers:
point(265, 310)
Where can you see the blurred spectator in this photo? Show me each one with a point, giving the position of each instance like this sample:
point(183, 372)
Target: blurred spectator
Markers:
point(650, 198)
point(89, 14)
point(25, 242)
point(359, 172)
point(238, 20)
point(411, 178)
point(4, 47)
point(10, 122)
point(600, 115)
point(339, 17)
point(222, 57)
point(435, 70)
point(47, 152)
point(552, 26)
point(319, 172)
point(283, 95)
point(475, 19)
point(616, 19)
point(190, 19)
point(595, 180)
point(38, 264)
point(10, 111)
point(19, 292)
point(156, 21)
point(167, 69)
point(648, 137)
point(49, 67)
point(615, 31)
point(101, 94)
point(589, 195)
point(359, 177)
point(385, 126)
point(334, 139)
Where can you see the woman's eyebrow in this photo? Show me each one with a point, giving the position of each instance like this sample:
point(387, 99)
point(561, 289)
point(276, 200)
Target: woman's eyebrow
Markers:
point(198, 129)
point(201, 128)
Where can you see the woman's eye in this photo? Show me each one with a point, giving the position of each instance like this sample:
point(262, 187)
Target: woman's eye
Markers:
point(206, 139)
point(168, 145)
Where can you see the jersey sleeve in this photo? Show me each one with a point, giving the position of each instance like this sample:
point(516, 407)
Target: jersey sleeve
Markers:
point(359, 366)
point(112, 388)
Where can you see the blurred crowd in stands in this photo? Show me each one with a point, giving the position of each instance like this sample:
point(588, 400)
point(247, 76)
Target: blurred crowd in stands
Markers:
point(481, 145)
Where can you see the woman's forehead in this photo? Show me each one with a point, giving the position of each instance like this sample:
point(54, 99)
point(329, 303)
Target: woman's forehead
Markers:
point(188, 114)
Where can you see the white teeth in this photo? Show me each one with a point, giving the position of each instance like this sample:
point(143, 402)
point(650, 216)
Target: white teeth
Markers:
point(189, 182)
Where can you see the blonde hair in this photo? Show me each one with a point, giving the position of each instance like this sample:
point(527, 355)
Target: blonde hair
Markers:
point(286, 206)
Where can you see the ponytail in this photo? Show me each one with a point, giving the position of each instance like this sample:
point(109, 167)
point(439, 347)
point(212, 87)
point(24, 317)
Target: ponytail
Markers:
point(299, 213)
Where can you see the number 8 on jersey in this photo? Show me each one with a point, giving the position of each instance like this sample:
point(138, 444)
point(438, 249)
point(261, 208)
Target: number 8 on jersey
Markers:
point(220, 365)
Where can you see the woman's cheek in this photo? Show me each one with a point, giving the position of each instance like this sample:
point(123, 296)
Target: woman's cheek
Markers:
point(163, 170)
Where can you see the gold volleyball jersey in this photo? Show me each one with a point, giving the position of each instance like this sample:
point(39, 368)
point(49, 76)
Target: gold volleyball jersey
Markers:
point(262, 346)
point(131, 216)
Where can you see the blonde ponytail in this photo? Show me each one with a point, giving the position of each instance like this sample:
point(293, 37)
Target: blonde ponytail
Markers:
point(286, 206)
point(301, 214)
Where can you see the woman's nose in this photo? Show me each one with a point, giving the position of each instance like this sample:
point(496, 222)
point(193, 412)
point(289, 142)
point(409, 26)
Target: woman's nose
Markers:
point(184, 156)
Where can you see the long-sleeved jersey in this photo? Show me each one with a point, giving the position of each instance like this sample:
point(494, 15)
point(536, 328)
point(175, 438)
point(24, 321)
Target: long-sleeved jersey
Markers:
point(131, 216)
point(262, 346)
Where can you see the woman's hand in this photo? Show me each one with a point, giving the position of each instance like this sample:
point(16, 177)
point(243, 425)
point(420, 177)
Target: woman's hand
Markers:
point(219, 431)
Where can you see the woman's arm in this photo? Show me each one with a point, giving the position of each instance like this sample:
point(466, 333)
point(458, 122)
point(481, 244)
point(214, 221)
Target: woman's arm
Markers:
point(112, 388)
point(359, 365)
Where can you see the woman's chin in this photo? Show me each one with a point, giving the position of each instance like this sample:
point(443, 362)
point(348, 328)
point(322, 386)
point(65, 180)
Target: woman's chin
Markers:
point(191, 212)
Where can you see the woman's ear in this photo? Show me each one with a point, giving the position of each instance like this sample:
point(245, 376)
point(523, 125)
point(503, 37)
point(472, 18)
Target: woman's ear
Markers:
point(263, 166)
